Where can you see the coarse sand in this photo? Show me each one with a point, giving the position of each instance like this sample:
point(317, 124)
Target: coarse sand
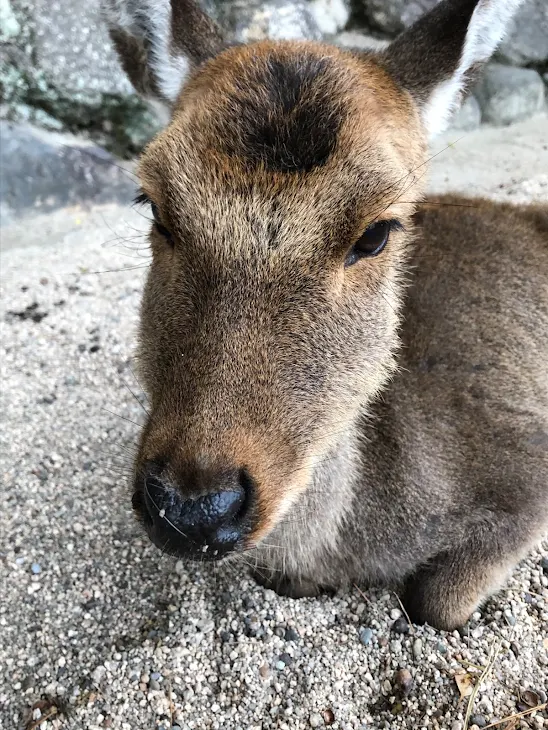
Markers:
point(99, 630)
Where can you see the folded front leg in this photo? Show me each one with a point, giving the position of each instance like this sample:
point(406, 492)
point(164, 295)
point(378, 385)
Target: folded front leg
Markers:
point(446, 591)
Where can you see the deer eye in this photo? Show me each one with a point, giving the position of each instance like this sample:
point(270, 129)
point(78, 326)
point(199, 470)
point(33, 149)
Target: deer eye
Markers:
point(371, 242)
point(162, 230)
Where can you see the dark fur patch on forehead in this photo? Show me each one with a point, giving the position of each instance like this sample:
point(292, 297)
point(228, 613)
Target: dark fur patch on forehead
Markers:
point(284, 113)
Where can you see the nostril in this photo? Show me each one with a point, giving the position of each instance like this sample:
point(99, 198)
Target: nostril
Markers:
point(213, 521)
point(247, 484)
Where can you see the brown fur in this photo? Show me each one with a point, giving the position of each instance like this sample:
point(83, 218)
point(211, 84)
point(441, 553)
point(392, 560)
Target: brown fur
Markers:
point(260, 349)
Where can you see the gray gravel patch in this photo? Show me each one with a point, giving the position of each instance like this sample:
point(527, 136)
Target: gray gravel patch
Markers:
point(98, 630)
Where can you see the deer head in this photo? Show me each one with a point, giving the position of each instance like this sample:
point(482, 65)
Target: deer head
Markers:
point(282, 190)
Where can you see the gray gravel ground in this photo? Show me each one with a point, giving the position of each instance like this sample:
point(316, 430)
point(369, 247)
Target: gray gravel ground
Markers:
point(94, 619)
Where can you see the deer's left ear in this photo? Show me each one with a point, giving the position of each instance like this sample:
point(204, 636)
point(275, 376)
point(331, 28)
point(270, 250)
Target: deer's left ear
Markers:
point(437, 58)
point(160, 43)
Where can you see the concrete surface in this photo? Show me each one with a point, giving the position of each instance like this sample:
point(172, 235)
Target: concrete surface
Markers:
point(98, 630)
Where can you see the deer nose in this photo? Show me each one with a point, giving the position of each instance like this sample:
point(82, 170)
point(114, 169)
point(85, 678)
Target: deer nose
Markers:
point(202, 526)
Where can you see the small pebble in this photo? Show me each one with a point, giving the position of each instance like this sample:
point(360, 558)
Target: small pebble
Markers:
point(544, 565)
point(280, 665)
point(479, 720)
point(36, 568)
point(404, 681)
point(417, 648)
point(292, 635)
point(400, 626)
point(365, 635)
point(316, 720)
point(395, 614)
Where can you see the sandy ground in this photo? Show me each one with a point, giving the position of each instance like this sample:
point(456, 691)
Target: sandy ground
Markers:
point(98, 630)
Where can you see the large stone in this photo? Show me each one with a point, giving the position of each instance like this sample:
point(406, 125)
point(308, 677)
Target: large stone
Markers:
point(468, 116)
point(71, 46)
point(253, 20)
point(59, 64)
point(360, 41)
point(392, 16)
point(42, 171)
point(9, 25)
point(507, 94)
point(527, 39)
point(330, 15)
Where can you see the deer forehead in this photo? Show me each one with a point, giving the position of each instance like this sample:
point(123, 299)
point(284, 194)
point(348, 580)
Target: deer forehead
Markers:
point(306, 130)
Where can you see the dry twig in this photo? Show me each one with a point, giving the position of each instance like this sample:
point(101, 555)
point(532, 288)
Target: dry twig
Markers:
point(516, 717)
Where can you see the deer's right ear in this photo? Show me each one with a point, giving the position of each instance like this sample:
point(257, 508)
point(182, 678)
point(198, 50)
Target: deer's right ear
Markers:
point(160, 42)
point(438, 57)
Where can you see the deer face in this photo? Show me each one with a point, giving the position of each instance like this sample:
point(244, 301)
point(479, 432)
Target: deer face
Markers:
point(270, 312)
point(282, 192)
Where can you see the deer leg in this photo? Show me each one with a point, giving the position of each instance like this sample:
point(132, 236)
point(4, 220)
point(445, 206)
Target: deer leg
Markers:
point(445, 592)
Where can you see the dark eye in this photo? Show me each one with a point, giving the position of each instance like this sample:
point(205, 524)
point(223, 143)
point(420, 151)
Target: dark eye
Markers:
point(371, 242)
point(162, 230)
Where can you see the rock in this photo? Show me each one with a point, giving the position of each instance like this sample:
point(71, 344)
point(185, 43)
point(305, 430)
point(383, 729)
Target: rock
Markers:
point(72, 48)
point(291, 634)
point(59, 70)
point(400, 626)
point(417, 648)
point(507, 94)
point(316, 720)
point(468, 116)
point(330, 15)
point(486, 706)
point(59, 170)
point(253, 20)
point(9, 25)
point(527, 38)
point(365, 635)
point(479, 720)
point(393, 16)
point(360, 41)
point(404, 682)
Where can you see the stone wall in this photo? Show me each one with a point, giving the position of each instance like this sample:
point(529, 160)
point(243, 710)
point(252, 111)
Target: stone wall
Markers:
point(58, 70)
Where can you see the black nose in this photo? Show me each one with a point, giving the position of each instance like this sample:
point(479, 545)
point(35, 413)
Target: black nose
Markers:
point(205, 526)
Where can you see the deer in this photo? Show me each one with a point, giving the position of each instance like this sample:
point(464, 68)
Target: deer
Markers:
point(348, 384)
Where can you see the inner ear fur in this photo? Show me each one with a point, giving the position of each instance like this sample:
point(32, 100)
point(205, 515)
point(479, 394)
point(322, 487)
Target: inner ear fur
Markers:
point(161, 42)
point(440, 55)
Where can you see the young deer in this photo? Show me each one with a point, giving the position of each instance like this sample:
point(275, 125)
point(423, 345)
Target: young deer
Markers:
point(345, 385)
